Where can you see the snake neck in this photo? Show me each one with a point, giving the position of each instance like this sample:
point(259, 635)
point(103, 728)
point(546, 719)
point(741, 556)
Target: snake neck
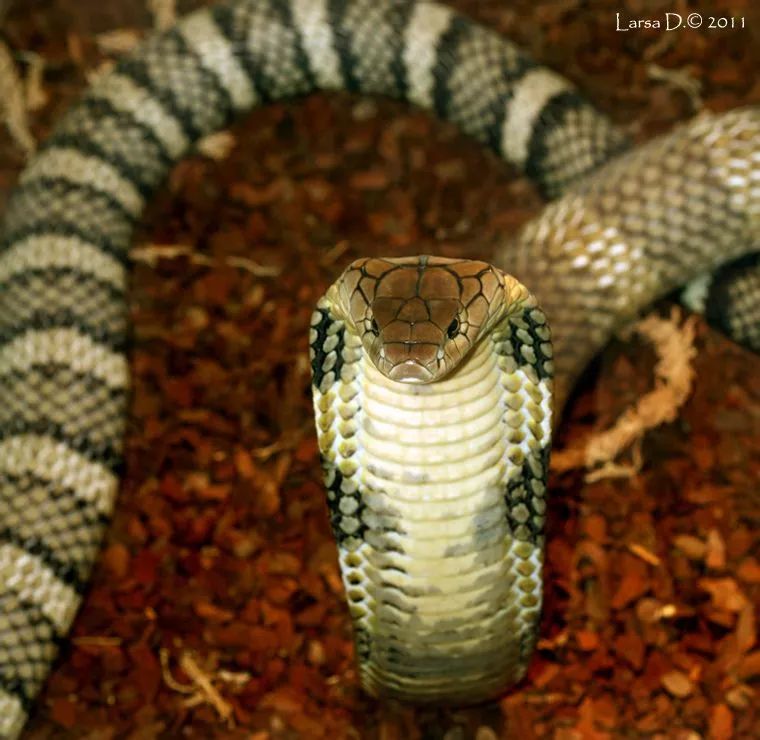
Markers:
point(427, 494)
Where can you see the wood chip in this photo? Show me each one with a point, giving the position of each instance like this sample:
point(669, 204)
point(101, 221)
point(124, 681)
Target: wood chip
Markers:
point(647, 556)
point(677, 684)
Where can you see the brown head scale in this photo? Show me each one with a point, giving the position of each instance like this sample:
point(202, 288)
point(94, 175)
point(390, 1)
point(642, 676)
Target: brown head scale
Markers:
point(418, 317)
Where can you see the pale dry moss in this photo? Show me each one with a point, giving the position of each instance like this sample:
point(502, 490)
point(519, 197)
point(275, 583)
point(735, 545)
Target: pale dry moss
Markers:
point(13, 103)
point(673, 341)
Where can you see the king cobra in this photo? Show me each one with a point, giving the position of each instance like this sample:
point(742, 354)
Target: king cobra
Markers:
point(432, 377)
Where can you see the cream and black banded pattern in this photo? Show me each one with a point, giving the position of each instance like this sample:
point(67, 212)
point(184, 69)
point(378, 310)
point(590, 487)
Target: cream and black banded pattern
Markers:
point(67, 229)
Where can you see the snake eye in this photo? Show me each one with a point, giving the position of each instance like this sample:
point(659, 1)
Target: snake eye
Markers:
point(374, 328)
point(453, 329)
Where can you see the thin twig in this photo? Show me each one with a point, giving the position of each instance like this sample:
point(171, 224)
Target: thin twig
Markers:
point(153, 253)
point(203, 682)
point(680, 79)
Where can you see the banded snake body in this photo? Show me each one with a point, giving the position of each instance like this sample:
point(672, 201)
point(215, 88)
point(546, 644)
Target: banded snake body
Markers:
point(432, 378)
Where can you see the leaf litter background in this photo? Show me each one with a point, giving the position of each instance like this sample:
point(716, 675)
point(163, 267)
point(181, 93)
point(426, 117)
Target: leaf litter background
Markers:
point(216, 608)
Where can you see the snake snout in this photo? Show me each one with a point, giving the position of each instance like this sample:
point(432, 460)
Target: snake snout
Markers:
point(411, 359)
point(410, 371)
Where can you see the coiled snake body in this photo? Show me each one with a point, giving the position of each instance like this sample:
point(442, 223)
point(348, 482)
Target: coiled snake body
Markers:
point(432, 378)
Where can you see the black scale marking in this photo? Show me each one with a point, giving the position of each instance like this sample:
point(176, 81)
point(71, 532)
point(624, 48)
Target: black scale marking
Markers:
point(340, 521)
point(520, 496)
point(318, 355)
point(541, 359)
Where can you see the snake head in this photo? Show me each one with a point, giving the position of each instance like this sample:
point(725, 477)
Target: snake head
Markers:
point(418, 317)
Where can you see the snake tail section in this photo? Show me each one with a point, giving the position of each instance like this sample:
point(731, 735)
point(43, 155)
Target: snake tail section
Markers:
point(437, 496)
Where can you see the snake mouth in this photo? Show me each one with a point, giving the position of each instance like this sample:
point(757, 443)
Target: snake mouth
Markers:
point(410, 372)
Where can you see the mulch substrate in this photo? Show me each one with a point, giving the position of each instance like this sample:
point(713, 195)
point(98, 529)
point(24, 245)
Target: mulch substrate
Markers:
point(216, 609)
